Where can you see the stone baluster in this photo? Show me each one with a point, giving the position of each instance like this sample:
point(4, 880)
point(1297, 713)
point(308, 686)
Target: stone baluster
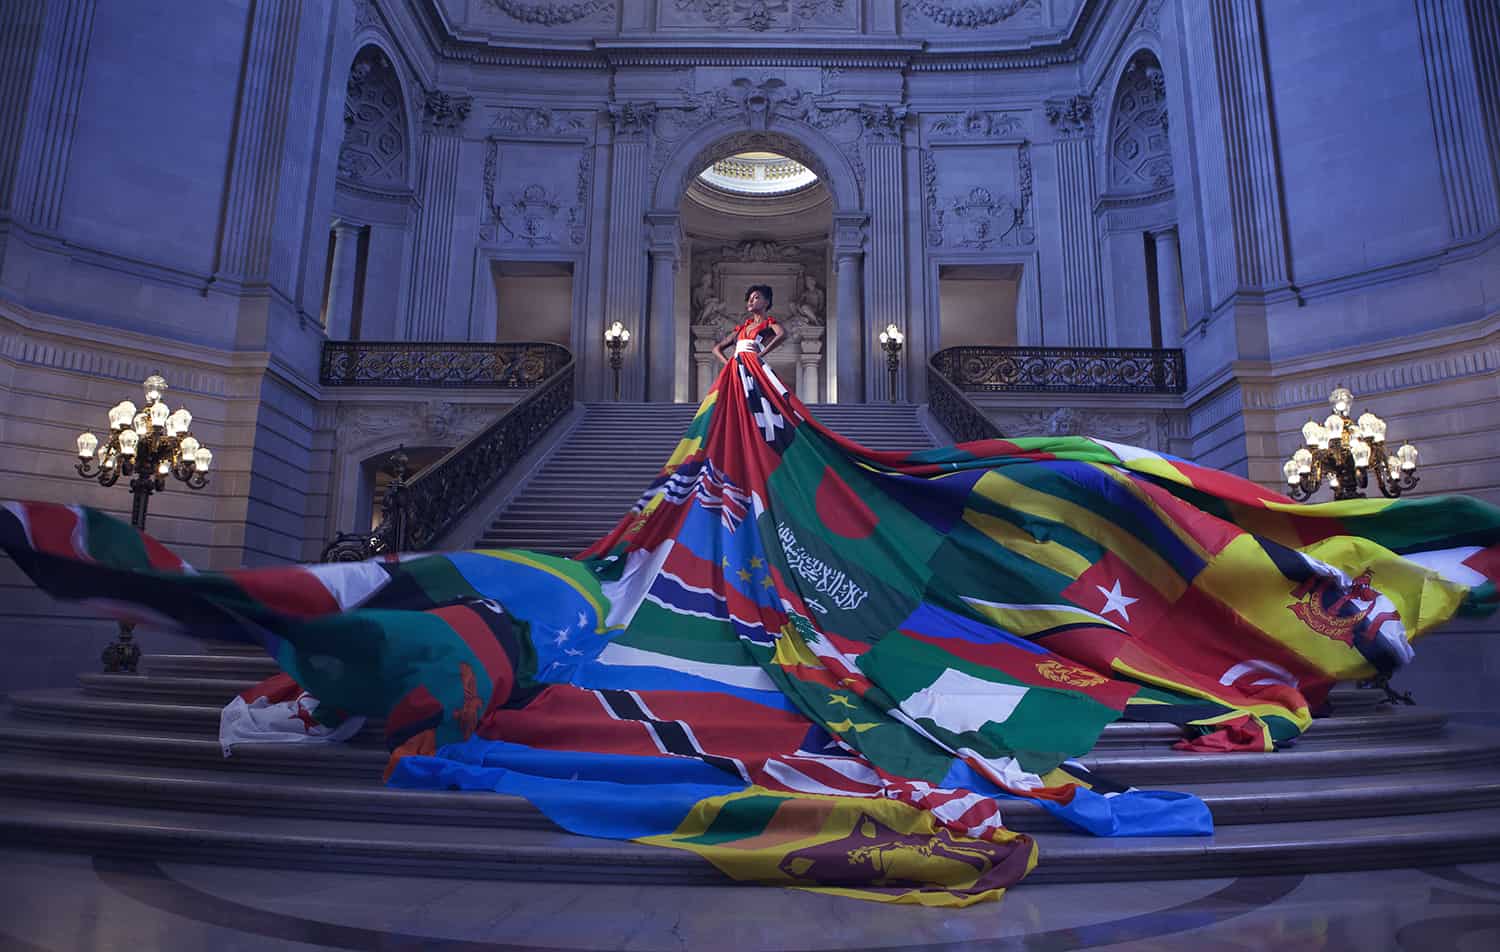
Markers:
point(809, 359)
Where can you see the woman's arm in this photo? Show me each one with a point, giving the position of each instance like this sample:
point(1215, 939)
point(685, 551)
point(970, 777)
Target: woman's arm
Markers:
point(726, 341)
point(778, 334)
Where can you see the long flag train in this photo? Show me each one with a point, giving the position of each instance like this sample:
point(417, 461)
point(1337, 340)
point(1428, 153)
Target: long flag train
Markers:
point(822, 666)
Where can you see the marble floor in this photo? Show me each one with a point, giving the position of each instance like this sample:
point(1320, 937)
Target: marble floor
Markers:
point(65, 902)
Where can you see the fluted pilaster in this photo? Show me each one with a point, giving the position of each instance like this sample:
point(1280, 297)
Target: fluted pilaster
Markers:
point(50, 43)
point(666, 251)
point(1241, 142)
point(887, 276)
point(1083, 294)
point(443, 116)
point(246, 235)
point(849, 268)
point(624, 296)
point(1461, 74)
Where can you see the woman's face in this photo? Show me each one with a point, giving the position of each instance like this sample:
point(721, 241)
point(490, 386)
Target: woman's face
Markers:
point(756, 302)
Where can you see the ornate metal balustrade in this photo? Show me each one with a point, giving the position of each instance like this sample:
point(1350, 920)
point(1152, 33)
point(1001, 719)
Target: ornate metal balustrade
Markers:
point(518, 365)
point(1063, 369)
point(964, 421)
point(415, 513)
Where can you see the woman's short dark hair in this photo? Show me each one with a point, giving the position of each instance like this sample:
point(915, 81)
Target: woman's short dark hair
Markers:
point(765, 292)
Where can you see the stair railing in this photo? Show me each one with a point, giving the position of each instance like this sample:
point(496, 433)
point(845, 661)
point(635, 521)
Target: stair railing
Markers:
point(414, 513)
point(1063, 369)
point(959, 415)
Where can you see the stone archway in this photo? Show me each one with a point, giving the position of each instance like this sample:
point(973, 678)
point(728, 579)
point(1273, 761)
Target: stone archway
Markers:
point(842, 298)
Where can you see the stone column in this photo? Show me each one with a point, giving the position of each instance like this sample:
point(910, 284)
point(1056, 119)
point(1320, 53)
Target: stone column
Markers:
point(1083, 289)
point(705, 364)
point(809, 359)
point(42, 58)
point(1169, 287)
point(849, 263)
point(339, 320)
point(888, 273)
point(443, 116)
point(665, 232)
point(625, 279)
point(1449, 47)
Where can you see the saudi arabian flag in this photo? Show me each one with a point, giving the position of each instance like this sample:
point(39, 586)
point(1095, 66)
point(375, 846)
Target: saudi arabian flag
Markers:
point(991, 711)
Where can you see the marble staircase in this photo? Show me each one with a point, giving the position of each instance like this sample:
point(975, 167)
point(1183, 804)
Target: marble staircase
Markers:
point(130, 764)
point(593, 477)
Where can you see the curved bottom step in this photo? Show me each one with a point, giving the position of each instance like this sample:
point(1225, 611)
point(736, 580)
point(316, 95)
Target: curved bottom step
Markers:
point(547, 856)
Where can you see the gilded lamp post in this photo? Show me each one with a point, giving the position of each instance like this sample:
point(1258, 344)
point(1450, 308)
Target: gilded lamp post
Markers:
point(146, 446)
point(891, 340)
point(616, 338)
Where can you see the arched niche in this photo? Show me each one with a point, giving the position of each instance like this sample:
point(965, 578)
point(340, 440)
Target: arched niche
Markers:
point(1139, 154)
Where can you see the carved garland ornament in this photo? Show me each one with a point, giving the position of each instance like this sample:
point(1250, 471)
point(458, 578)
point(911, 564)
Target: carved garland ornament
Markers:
point(969, 17)
point(550, 14)
point(760, 15)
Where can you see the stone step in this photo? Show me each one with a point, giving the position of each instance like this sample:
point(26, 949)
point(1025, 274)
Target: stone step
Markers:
point(1134, 754)
point(163, 749)
point(223, 790)
point(543, 855)
point(246, 668)
point(165, 689)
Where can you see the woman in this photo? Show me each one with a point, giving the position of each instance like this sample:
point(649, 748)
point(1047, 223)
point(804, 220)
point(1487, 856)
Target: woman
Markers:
point(759, 332)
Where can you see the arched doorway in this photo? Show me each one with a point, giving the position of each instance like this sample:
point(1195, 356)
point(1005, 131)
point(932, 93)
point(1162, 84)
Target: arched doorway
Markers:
point(814, 233)
point(756, 218)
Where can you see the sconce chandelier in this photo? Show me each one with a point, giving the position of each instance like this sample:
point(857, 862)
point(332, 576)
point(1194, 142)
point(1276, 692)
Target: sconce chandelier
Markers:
point(1343, 452)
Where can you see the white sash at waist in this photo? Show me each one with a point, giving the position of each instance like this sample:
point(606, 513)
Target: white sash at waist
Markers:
point(747, 347)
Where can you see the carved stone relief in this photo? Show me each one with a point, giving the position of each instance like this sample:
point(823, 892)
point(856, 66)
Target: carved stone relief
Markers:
point(535, 211)
point(760, 15)
point(374, 148)
point(801, 302)
point(367, 14)
point(534, 121)
point(977, 217)
point(1072, 116)
point(550, 14)
point(446, 111)
point(1149, 429)
point(977, 124)
point(1140, 156)
point(1149, 19)
point(967, 14)
point(439, 421)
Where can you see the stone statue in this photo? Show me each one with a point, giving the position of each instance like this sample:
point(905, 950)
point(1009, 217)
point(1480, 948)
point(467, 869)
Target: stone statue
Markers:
point(809, 303)
point(707, 306)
